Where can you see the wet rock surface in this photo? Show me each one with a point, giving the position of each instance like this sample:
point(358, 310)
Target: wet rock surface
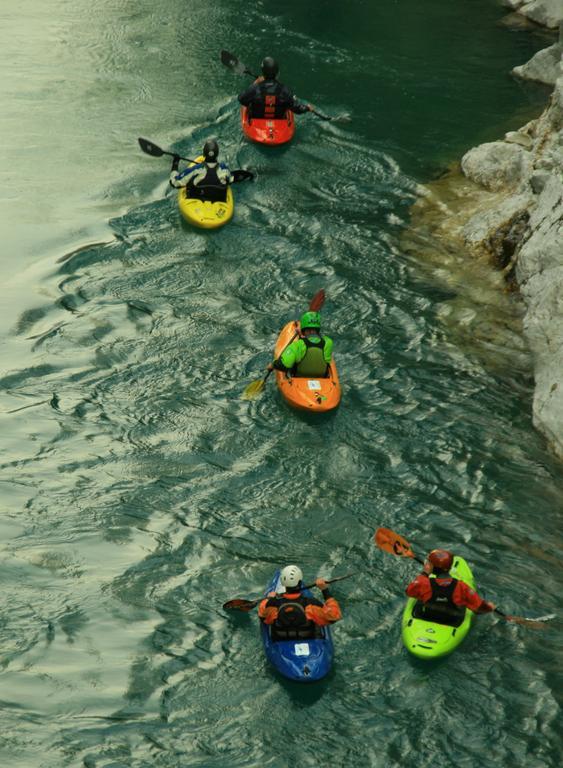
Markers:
point(512, 214)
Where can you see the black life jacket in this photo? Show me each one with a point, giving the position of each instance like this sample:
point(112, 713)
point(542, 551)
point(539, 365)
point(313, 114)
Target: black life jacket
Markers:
point(441, 607)
point(266, 103)
point(210, 188)
point(314, 363)
point(292, 623)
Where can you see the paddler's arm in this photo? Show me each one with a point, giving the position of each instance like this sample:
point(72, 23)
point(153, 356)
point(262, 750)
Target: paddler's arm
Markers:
point(327, 350)
point(289, 358)
point(225, 174)
point(420, 588)
point(464, 595)
point(181, 179)
point(267, 613)
point(293, 103)
point(247, 97)
point(174, 169)
point(327, 613)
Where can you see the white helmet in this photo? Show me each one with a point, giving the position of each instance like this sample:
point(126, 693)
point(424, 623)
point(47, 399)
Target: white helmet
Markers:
point(291, 576)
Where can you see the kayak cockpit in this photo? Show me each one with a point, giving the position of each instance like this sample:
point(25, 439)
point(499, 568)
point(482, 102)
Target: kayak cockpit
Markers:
point(296, 633)
point(210, 194)
point(449, 616)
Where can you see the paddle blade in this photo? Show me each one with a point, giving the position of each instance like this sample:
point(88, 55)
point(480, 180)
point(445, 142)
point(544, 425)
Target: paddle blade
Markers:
point(242, 175)
point(316, 303)
point(149, 148)
point(253, 390)
point(320, 114)
point(240, 605)
point(231, 61)
point(392, 542)
point(536, 623)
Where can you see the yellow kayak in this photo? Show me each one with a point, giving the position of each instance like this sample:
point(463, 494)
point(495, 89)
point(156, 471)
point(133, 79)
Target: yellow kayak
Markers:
point(204, 213)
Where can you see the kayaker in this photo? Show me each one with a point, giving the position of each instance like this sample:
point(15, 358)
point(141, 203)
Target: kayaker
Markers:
point(310, 354)
point(294, 615)
point(207, 180)
point(443, 595)
point(268, 98)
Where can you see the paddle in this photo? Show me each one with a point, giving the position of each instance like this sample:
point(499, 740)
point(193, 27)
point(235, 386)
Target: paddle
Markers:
point(395, 544)
point(231, 61)
point(256, 387)
point(248, 605)
point(153, 150)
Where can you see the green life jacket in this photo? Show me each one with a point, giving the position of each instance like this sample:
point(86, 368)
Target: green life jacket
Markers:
point(314, 363)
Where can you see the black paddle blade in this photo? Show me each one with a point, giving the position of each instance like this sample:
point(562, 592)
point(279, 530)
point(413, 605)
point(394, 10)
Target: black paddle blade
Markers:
point(231, 61)
point(242, 175)
point(150, 149)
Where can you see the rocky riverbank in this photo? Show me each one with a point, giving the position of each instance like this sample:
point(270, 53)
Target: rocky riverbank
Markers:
point(507, 205)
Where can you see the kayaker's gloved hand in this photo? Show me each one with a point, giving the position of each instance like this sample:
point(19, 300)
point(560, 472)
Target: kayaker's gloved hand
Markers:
point(272, 594)
point(427, 568)
point(487, 607)
point(270, 367)
point(323, 586)
point(175, 163)
point(310, 107)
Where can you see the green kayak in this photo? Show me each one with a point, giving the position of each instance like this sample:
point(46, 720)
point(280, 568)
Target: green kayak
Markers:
point(429, 638)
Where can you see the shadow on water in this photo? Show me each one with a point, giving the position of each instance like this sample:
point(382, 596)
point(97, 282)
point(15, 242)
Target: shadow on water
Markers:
point(302, 694)
point(312, 419)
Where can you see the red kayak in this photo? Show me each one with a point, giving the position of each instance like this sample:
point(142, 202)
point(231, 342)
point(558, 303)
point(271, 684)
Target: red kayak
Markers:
point(266, 130)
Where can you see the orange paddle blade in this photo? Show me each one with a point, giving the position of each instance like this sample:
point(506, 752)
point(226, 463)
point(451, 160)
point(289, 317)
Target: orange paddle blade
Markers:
point(392, 542)
point(240, 605)
point(316, 303)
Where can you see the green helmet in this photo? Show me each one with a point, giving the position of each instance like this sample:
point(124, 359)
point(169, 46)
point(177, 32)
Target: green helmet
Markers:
point(310, 320)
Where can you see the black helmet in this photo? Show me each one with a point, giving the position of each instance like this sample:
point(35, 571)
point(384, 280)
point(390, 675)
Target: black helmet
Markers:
point(211, 150)
point(270, 67)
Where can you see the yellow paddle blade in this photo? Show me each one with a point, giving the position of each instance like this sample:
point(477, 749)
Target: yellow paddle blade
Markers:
point(253, 390)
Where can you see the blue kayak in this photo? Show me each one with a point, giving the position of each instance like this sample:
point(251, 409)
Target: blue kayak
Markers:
point(304, 658)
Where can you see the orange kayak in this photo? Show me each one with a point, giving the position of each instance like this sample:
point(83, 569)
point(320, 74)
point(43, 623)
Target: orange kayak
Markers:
point(306, 394)
point(268, 131)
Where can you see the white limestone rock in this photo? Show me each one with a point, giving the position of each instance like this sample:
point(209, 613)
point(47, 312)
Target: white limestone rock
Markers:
point(540, 274)
point(512, 4)
point(556, 111)
point(518, 137)
point(486, 226)
point(543, 67)
point(496, 164)
point(543, 326)
point(543, 250)
point(546, 12)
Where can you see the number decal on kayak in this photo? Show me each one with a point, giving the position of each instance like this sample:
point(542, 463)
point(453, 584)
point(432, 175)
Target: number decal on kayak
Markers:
point(312, 384)
point(220, 212)
point(302, 649)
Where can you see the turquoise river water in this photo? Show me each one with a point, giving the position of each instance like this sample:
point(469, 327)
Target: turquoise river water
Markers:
point(139, 492)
